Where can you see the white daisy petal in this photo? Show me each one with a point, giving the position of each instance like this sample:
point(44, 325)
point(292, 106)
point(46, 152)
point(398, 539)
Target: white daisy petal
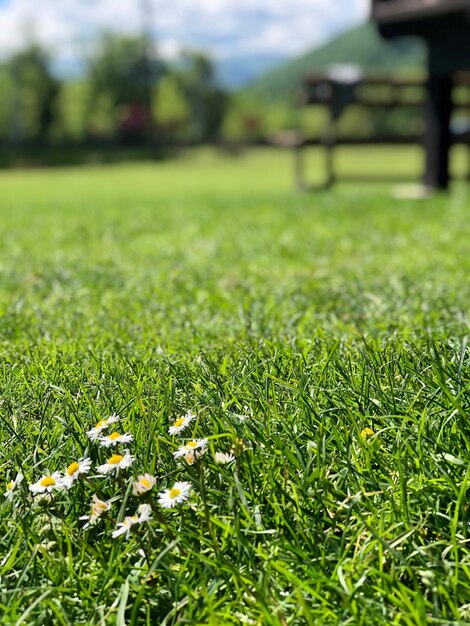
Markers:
point(180, 424)
point(125, 526)
point(78, 467)
point(223, 458)
point(121, 529)
point(191, 450)
point(114, 439)
point(98, 507)
point(48, 483)
point(95, 432)
point(116, 462)
point(12, 485)
point(74, 470)
point(144, 514)
point(143, 484)
point(176, 495)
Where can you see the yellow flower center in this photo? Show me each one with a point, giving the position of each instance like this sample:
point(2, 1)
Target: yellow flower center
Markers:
point(191, 444)
point(10, 485)
point(367, 432)
point(115, 459)
point(101, 424)
point(99, 506)
point(145, 483)
point(114, 436)
point(174, 493)
point(47, 481)
point(190, 458)
point(72, 468)
point(179, 422)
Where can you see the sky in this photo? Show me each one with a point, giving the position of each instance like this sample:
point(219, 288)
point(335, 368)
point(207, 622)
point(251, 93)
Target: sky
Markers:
point(224, 28)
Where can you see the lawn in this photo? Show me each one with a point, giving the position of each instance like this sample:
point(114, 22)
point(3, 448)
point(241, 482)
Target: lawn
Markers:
point(319, 339)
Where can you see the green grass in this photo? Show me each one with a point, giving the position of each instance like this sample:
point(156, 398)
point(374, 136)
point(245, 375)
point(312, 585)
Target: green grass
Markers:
point(206, 283)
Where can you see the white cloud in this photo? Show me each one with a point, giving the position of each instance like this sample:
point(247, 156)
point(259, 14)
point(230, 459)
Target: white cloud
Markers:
point(226, 28)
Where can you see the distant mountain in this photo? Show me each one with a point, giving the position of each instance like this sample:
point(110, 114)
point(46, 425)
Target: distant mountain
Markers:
point(362, 46)
point(238, 72)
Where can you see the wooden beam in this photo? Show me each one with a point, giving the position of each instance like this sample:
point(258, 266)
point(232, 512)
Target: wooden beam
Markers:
point(407, 10)
point(381, 140)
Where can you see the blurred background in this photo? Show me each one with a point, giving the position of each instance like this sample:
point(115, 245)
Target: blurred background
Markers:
point(102, 80)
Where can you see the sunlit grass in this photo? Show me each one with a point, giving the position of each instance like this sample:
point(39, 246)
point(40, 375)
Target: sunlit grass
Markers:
point(320, 339)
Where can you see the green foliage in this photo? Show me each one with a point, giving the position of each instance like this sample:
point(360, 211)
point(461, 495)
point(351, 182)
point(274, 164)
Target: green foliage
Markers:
point(123, 72)
point(121, 68)
point(171, 108)
point(207, 283)
point(6, 101)
point(207, 103)
point(127, 94)
point(74, 109)
point(102, 117)
point(281, 116)
point(34, 94)
point(244, 121)
point(215, 103)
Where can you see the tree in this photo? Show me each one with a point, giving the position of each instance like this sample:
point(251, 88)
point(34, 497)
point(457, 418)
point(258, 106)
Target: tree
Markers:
point(207, 102)
point(35, 94)
point(122, 72)
point(171, 109)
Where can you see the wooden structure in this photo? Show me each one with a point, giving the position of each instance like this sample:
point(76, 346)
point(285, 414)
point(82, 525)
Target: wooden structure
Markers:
point(445, 26)
point(343, 87)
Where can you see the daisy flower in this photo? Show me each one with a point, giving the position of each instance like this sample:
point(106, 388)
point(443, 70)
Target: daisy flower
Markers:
point(176, 495)
point(116, 462)
point(144, 513)
point(196, 447)
point(125, 526)
point(95, 432)
point(12, 485)
point(143, 484)
point(98, 507)
point(191, 458)
point(193, 455)
point(223, 458)
point(75, 469)
point(48, 483)
point(181, 423)
point(114, 438)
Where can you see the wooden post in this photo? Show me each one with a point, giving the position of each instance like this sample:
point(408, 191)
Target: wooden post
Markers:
point(299, 166)
point(437, 140)
point(330, 141)
point(329, 147)
point(468, 163)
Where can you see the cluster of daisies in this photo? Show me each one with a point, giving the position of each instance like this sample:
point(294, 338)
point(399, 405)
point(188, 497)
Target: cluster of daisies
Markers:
point(119, 461)
point(195, 448)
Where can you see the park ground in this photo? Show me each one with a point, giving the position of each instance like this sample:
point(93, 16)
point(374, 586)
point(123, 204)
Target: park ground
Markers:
point(321, 338)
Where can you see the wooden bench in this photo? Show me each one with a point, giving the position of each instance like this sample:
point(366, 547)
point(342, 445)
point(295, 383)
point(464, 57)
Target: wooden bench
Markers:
point(339, 90)
point(445, 27)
